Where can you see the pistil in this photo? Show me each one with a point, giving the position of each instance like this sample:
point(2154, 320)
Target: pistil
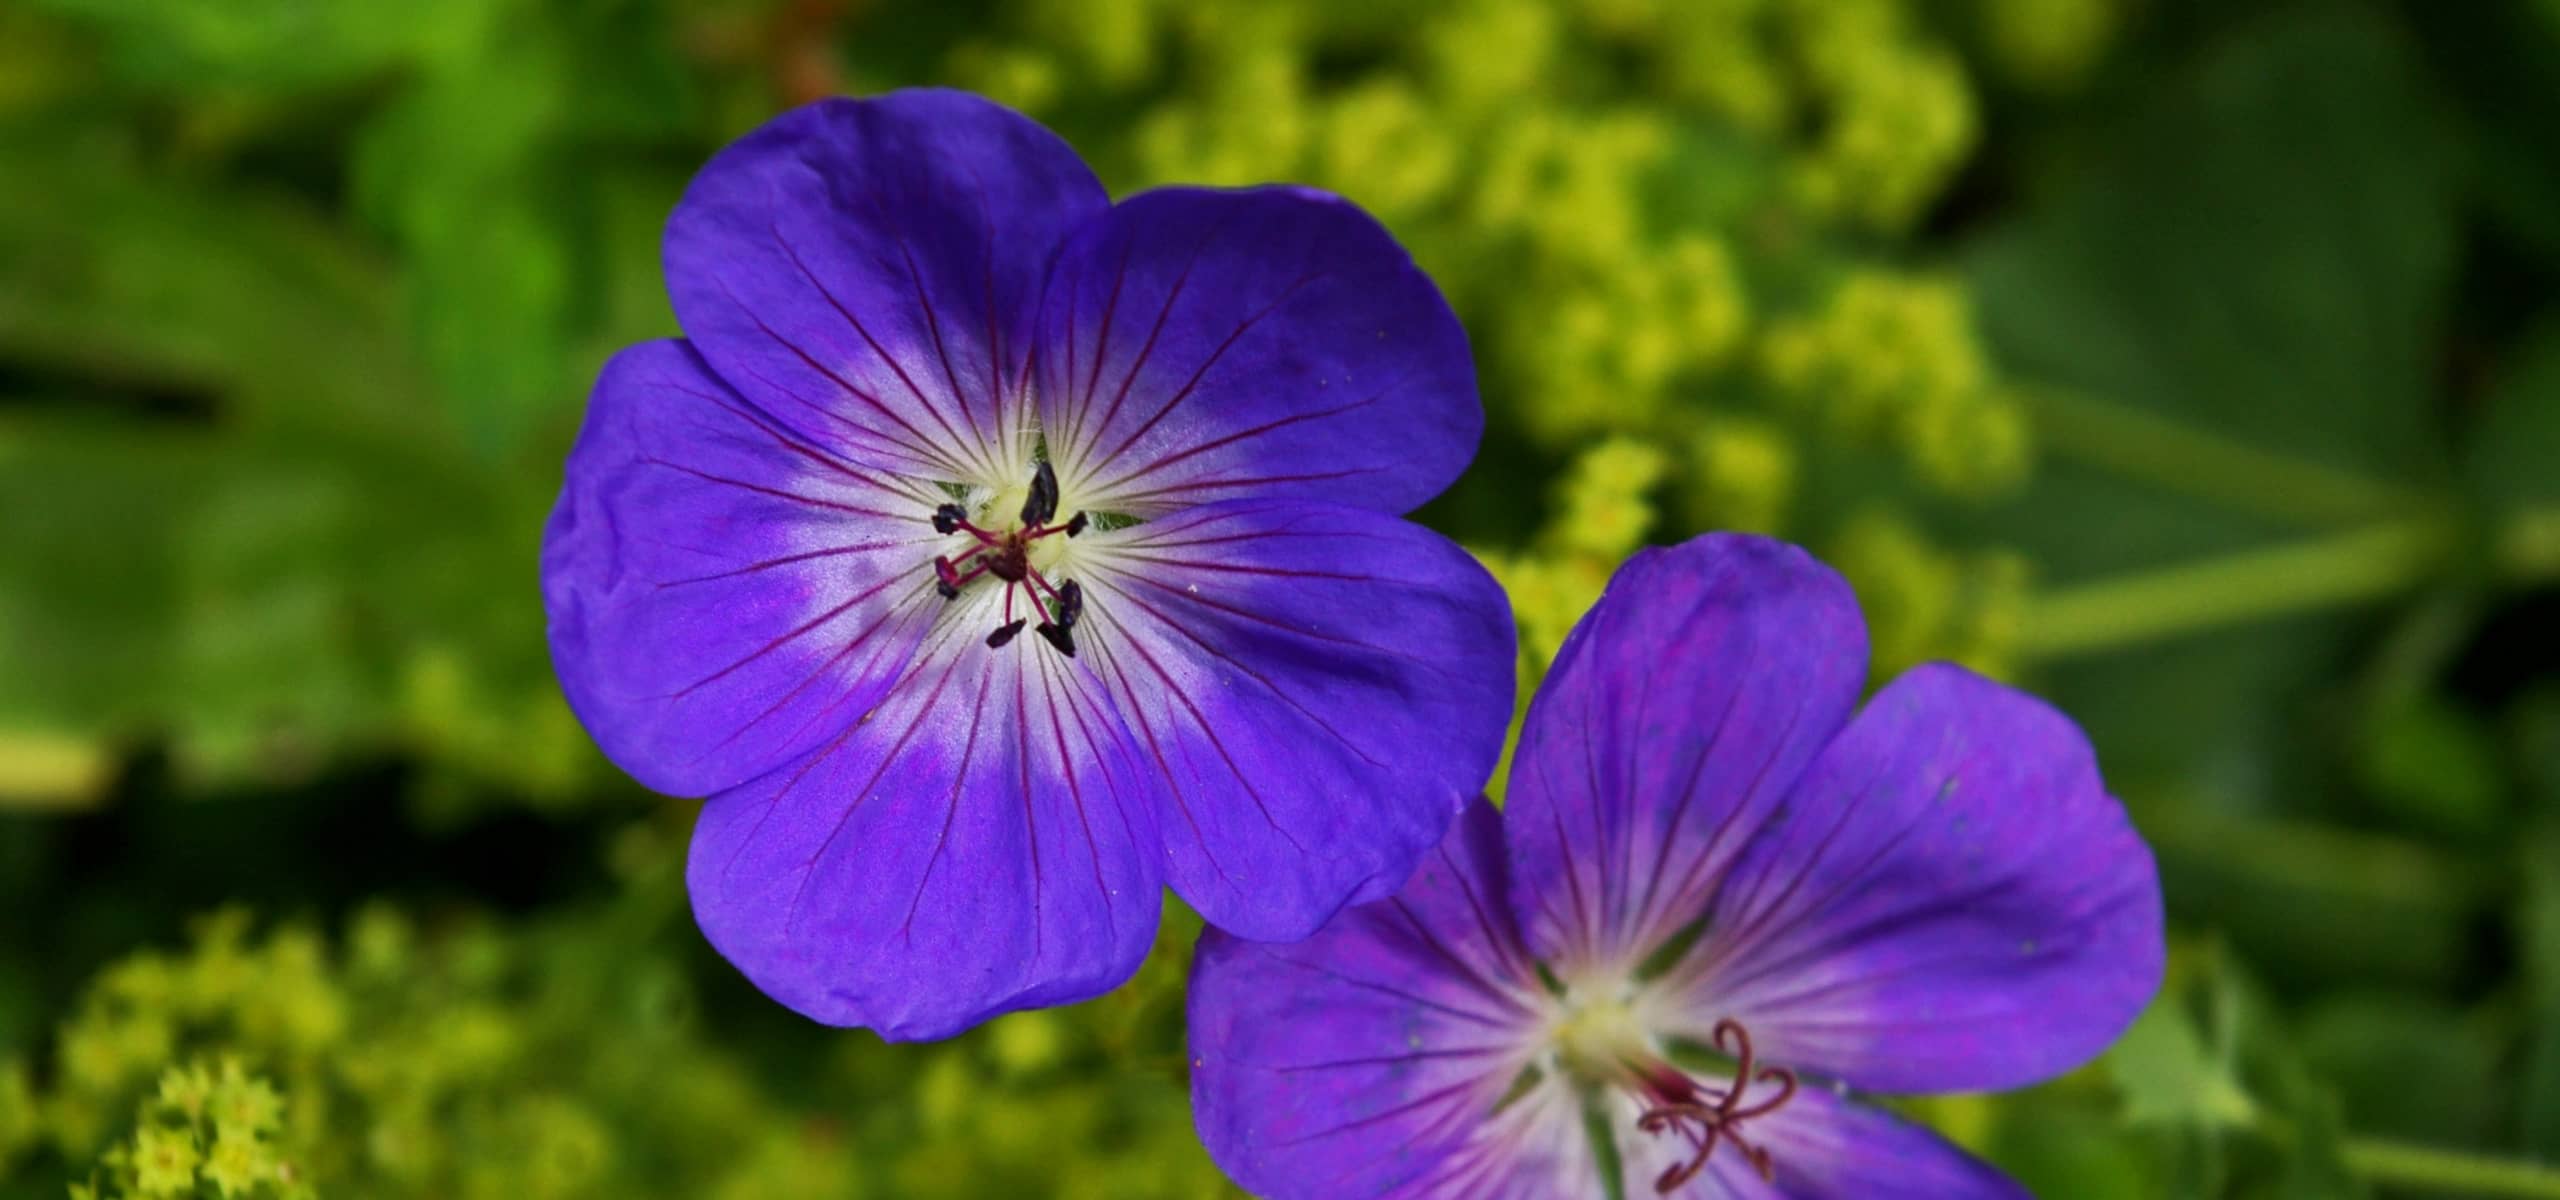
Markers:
point(1709, 1116)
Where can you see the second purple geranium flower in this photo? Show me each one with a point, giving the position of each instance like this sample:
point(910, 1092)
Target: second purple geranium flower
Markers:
point(1716, 902)
point(994, 555)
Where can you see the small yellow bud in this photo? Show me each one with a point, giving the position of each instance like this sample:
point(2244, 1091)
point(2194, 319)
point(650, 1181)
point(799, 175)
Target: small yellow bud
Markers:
point(187, 1089)
point(1905, 585)
point(1026, 1042)
point(238, 1164)
point(245, 1104)
point(1492, 53)
point(1744, 476)
point(2049, 45)
point(164, 1160)
point(1379, 146)
point(1017, 76)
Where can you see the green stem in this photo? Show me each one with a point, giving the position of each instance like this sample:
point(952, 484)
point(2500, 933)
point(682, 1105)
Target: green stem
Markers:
point(2344, 568)
point(2181, 459)
point(2350, 567)
point(2399, 1164)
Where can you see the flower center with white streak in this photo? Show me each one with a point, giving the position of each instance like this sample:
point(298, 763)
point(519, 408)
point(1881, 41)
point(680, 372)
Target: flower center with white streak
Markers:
point(1602, 1040)
point(1015, 539)
point(1596, 1037)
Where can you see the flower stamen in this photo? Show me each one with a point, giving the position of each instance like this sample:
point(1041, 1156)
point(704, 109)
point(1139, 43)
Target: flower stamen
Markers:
point(1709, 1116)
point(1042, 503)
point(1007, 556)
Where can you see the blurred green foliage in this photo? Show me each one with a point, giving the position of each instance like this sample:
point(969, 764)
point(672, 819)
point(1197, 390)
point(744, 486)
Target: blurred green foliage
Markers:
point(2197, 364)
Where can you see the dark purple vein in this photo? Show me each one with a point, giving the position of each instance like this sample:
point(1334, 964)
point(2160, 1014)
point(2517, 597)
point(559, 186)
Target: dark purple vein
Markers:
point(1158, 464)
point(1185, 392)
point(1256, 676)
point(922, 448)
point(887, 359)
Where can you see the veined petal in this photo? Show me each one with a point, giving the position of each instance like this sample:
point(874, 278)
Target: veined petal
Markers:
point(869, 270)
point(1677, 716)
point(1949, 901)
point(1824, 1147)
point(1536, 1147)
point(1320, 687)
point(1371, 1058)
point(981, 842)
point(1200, 345)
point(723, 594)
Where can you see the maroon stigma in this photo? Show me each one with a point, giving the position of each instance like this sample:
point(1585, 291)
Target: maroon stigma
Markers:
point(1007, 557)
point(1708, 1117)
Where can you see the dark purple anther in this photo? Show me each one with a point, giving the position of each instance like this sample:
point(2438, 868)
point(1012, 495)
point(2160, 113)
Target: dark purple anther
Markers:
point(1069, 607)
point(1007, 557)
point(1042, 503)
point(1058, 636)
point(1075, 524)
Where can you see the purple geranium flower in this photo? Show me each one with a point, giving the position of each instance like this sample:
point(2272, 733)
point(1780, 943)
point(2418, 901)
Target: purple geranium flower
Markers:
point(937, 391)
point(1724, 902)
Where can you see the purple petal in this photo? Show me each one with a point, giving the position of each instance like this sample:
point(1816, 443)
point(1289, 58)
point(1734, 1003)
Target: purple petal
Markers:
point(979, 843)
point(869, 269)
point(1823, 1147)
point(1320, 687)
point(1205, 345)
point(1369, 1059)
point(1949, 901)
point(1677, 715)
point(723, 594)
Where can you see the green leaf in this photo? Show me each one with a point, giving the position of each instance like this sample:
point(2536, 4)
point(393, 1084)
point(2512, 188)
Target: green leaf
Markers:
point(88, 589)
point(2257, 260)
point(271, 44)
point(481, 171)
point(2166, 1076)
point(2381, 1048)
point(2389, 908)
point(2498, 61)
point(2538, 948)
point(2264, 253)
point(2434, 767)
point(2514, 452)
point(2061, 1153)
point(132, 279)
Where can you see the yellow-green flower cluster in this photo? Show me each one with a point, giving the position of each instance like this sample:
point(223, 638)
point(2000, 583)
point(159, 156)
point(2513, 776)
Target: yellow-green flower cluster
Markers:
point(462, 1058)
point(1657, 218)
point(275, 997)
point(528, 741)
point(208, 1130)
point(1921, 601)
point(1895, 359)
point(17, 1113)
point(1895, 118)
point(1609, 352)
point(1597, 182)
point(1925, 602)
point(2049, 45)
point(1742, 474)
point(1603, 511)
